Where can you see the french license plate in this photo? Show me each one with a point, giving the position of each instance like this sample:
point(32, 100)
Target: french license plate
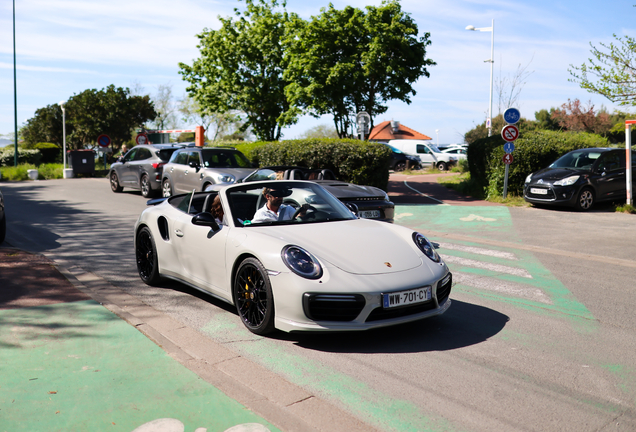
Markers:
point(403, 298)
point(537, 191)
point(369, 214)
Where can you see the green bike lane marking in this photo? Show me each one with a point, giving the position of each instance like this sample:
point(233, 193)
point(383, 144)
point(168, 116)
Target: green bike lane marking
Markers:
point(77, 366)
point(486, 222)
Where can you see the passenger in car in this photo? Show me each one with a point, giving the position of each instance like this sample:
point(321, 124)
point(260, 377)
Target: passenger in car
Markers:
point(217, 210)
point(274, 209)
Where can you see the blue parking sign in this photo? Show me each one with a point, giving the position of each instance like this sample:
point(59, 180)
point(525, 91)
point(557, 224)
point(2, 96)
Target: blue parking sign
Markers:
point(512, 115)
point(509, 147)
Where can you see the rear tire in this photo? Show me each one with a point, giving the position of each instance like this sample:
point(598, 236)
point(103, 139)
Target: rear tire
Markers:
point(146, 254)
point(166, 189)
point(253, 297)
point(114, 183)
point(585, 199)
point(144, 185)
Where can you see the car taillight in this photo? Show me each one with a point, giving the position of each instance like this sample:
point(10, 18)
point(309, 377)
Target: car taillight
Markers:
point(158, 165)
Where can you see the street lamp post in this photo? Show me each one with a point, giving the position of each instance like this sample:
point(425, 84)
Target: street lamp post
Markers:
point(63, 137)
point(437, 132)
point(491, 61)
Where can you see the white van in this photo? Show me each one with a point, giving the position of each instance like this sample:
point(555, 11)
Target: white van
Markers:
point(429, 153)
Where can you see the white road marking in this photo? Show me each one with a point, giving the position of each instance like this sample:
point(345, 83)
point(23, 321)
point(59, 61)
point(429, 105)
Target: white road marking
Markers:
point(509, 288)
point(479, 251)
point(499, 268)
point(424, 195)
point(474, 217)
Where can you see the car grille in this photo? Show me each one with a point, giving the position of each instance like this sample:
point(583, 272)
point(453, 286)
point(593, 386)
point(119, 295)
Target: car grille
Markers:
point(380, 313)
point(444, 288)
point(333, 307)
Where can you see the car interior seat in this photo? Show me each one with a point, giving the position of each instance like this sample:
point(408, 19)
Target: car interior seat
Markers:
point(294, 174)
point(326, 174)
point(207, 205)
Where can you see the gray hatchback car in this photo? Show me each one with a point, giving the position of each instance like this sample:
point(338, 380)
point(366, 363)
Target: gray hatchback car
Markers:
point(199, 167)
point(141, 168)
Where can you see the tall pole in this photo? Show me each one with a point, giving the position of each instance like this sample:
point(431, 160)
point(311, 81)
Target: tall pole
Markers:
point(15, 97)
point(63, 137)
point(492, 62)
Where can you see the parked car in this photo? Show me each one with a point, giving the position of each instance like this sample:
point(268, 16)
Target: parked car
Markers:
point(196, 168)
point(460, 152)
point(428, 153)
point(141, 168)
point(367, 202)
point(3, 219)
point(324, 271)
point(401, 161)
point(580, 178)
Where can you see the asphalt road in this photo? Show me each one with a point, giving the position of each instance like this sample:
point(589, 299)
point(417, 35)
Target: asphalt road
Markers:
point(540, 335)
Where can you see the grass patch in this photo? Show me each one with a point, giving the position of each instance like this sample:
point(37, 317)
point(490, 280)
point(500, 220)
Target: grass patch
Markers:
point(463, 184)
point(16, 173)
point(626, 208)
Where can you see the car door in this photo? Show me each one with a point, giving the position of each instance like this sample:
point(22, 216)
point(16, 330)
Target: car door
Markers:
point(192, 172)
point(201, 253)
point(610, 175)
point(176, 172)
point(425, 154)
point(137, 165)
point(125, 171)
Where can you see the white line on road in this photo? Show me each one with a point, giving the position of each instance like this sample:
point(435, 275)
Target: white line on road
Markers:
point(499, 268)
point(510, 288)
point(479, 251)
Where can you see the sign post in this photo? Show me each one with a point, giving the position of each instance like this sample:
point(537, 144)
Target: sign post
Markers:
point(510, 133)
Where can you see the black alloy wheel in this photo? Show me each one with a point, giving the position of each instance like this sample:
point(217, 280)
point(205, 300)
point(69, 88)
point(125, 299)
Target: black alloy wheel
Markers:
point(585, 199)
point(400, 166)
point(146, 254)
point(114, 182)
point(253, 297)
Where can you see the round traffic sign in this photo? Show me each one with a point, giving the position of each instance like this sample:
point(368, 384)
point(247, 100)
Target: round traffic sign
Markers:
point(508, 158)
point(103, 140)
point(512, 115)
point(142, 138)
point(509, 147)
point(510, 133)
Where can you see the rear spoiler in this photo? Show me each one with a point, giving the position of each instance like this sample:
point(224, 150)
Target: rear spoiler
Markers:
point(156, 201)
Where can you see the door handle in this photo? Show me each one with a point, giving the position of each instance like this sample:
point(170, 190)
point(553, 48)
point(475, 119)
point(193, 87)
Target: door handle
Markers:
point(178, 232)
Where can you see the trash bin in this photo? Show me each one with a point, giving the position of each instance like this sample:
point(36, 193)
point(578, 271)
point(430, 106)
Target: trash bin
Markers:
point(82, 161)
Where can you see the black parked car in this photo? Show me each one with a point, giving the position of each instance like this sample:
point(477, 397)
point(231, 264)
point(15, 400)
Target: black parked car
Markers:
point(401, 161)
point(3, 220)
point(580, 178)
point(141, 168)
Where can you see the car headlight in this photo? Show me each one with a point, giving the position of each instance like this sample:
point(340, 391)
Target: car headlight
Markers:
point(301, 262)
point(528, 178)
point(568, 181)
point(225, 178)
point(425, 246)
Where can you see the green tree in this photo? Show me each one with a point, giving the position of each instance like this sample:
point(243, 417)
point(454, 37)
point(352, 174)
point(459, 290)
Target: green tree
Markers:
point(215, 124)
point(610, 72)
point(45, 126)
point(111, 111)
point(241, 68)
point(545, 121)
point(351, 60)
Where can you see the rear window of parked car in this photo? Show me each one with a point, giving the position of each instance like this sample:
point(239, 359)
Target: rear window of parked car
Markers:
point(165, 154)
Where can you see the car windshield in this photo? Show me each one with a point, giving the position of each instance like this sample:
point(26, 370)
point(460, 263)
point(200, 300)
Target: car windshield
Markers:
point(221, 158)
point(264, 174)
point(434, 148)
point(252, 204)
point(578, 159)
point(165, 154)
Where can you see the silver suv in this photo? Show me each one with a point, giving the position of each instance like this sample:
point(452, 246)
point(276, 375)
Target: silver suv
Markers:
point(199, 167)
point(141, 168)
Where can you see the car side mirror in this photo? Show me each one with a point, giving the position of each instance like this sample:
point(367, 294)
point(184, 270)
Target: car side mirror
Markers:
point(194, 165)
point(352, 207)
point(205, 219)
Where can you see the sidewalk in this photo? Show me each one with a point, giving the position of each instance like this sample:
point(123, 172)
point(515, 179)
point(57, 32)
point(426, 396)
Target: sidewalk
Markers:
point(77, 354)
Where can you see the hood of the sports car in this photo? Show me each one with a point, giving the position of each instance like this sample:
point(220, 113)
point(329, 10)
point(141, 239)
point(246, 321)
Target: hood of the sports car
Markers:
point(357, 246)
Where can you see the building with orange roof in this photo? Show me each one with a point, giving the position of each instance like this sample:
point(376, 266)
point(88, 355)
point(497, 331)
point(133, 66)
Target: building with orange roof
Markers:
point(388, 130)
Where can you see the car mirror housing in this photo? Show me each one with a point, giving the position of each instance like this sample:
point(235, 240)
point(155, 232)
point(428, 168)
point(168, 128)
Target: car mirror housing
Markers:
point(205, 219)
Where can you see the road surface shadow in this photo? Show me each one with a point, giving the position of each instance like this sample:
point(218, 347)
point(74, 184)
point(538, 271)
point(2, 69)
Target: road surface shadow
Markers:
point(464, 324)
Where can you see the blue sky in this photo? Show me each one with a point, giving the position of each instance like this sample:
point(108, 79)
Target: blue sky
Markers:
point(67, 46)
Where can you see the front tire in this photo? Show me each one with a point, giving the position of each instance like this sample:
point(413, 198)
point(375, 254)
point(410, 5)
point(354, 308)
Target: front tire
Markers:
point(400, 166)
point(114, 183)
point(253, 297)
point(442, 166)
point(144, 183)
point(585, 199)
point(166, 189)
point(146, 254)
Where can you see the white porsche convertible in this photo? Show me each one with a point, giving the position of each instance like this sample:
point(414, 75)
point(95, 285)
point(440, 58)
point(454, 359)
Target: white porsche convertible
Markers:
point(315, 267)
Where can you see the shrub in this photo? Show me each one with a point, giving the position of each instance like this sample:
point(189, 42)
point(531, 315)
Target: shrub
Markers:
point(7, 156)
point(50, 171)
point(19, 173)
point(350, 160)
point(51, 153)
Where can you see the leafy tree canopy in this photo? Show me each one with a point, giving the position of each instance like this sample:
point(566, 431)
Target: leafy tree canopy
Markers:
point(241, 68)
point(610, 72)
point(350, 60)
point(111, 111)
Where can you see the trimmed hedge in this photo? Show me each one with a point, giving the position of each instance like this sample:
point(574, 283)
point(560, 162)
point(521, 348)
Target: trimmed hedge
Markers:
point(533, 151)
point(7, 156)
point(359, 162)
point(51, 153)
